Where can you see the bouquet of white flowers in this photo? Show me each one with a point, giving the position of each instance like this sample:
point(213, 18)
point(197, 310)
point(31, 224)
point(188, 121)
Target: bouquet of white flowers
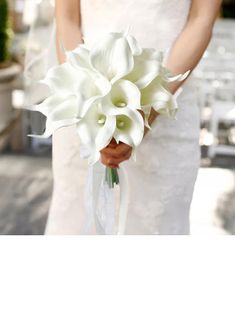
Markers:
point(107, 91)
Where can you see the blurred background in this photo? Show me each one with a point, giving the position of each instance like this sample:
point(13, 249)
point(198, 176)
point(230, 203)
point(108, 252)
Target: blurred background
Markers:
point(25, 163)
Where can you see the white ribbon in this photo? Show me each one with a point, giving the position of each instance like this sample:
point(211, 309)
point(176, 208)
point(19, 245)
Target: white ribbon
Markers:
point(124, 199)
point(101, 212)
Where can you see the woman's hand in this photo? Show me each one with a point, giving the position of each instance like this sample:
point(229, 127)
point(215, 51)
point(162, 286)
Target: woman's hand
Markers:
point(115, 153)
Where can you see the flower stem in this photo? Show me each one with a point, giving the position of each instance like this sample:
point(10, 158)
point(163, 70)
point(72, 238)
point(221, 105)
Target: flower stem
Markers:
point(111, 176)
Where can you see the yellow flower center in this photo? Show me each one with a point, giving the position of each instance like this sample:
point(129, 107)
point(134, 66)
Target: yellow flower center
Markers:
point(120, 104)
point(123, 122)
point(120, 124)
point(101, 120)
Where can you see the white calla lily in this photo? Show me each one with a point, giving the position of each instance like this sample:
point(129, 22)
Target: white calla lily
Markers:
point(92, 88)
point(134, 45)
point(147, 66)
point(157, 96)
point(60, 111)
point(112, 56)
point(79, 58)
point(73, 92)
point(65, 79)
point(129, 127)
point(96, 129)
point(52, 126)
point(60, 79)
point(123, 94)
point(168, 108)
point(59, 107)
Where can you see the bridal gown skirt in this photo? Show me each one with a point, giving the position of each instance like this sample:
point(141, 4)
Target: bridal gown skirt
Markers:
point(163, 177)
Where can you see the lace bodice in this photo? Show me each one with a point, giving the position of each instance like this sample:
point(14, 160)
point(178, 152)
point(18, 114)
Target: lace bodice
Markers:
point(155, 23)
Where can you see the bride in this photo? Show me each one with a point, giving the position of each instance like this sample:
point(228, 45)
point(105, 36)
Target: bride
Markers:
point(161, 181)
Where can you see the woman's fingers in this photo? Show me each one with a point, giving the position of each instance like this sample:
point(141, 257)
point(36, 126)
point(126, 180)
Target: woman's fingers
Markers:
point(120, 150)
point(114, 162)
point(109, 162)
point(114, 154)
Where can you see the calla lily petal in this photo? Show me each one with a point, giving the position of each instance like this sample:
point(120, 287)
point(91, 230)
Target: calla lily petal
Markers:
point(105, 134)
point(91, 87)
point(59, 107)
point(52, 126)
point(73, 101)
point(66, 80)
point(167, 76)
point(134, 45)
point(93, 90)
point(159, 98)
point(169, 108)
point(147, 66)
point(80, 58)
point(67, 109)
point(154, 92)
point(61, 79)
point(112, 56)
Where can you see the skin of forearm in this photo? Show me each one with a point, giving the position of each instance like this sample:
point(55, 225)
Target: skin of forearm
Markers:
point(186, 53)
point(67, 32)
point(188, 49)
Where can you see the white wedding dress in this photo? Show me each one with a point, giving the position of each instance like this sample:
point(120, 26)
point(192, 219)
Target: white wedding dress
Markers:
point(162, 179)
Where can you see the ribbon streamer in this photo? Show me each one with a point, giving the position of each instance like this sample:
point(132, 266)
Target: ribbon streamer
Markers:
point(101, 211)
point(124, 200)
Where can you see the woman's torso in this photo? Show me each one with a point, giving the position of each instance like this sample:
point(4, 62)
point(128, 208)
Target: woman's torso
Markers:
point(168, 152)
point(155, 23)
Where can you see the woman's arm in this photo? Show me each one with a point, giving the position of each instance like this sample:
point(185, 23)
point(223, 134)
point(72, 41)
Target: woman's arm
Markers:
point(67, 14)
point(194, 39)
point(184, 55)
point(192, 42)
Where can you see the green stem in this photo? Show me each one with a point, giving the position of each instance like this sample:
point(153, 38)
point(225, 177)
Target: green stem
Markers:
point(111, 176)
